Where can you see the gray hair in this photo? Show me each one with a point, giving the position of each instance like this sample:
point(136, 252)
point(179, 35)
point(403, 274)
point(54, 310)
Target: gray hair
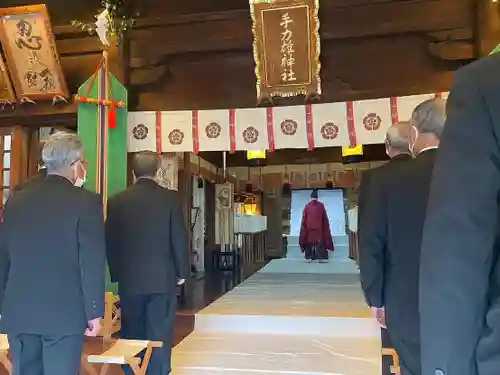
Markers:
point(61, 151)
point(429, 117)
point(398, 135)
point(145, 164)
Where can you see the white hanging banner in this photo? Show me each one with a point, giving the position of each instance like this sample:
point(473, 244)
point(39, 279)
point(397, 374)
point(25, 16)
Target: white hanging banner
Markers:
point(306, 127)
point(290, 127)
point(330, 125)
point(213, 130)
point(177, 131)
point(141, 129)
point(371, 119)
point(250, 129)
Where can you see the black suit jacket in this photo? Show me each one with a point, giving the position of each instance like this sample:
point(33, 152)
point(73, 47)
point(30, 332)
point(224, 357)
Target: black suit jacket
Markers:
point(53, 242)
point(35, 180)
point(373, 185)
point(364, 192)
point(147, 241)
point(390, 240)
point(460, 270)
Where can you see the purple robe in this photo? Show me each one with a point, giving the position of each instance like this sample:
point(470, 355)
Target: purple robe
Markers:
point(315, 227)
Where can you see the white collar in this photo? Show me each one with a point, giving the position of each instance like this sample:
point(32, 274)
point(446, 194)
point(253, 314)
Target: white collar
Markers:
point(427, 148)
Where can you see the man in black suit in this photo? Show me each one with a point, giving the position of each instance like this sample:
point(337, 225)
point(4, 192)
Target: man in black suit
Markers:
point(391, 235)
point(34, 180)
point(397, 148)
point(53, 288)
point(460, 263)
point(148, 255)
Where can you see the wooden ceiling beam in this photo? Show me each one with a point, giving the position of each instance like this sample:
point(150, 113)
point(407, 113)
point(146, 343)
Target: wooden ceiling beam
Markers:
point(300, 156)
point(232, 29)
point(38, 115)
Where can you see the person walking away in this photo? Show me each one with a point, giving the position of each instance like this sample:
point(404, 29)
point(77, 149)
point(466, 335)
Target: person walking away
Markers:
point(148, 255)
point(315, 238)
point(52, 289)
point(33, 180)
point(372, 268)
point(460, 264)
point(391, 235)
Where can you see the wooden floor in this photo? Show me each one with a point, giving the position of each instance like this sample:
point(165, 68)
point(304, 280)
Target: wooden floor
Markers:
point(203, 292)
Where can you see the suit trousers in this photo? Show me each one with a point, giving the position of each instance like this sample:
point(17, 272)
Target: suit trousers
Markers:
point(46, 355)
point(150, 317)
point(386, 360)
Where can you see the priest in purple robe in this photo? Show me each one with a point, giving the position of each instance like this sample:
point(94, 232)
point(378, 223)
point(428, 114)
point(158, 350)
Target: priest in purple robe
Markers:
point(315, 238)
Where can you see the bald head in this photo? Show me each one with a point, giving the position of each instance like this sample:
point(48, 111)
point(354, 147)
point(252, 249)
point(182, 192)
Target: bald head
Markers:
point(145, 164)
point(396, 139)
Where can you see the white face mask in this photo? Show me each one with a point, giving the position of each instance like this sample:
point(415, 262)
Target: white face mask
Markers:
point(411, 145)
point(79, 182)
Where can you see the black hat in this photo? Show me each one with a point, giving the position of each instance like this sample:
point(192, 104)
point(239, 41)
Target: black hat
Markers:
point(314, 194)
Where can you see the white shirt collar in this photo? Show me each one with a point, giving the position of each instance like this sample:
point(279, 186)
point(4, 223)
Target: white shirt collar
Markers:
point(427, 148)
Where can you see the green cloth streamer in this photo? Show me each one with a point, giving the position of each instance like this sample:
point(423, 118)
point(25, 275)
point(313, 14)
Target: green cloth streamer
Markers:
point(495, 50)
point(116, 169)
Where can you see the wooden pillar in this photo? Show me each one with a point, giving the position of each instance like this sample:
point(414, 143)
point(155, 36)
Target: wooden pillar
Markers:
point(34, 151)
point(487, 27)
point(20, 149)
point(188, 190)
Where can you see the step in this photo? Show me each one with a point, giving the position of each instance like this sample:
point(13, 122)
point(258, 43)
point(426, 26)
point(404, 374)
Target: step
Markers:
point(244, 354)
point(344, 327)
point(337, 240)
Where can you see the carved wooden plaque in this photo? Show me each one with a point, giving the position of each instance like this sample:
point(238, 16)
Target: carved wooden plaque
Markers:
point(30, 50)
point(6, 92)
point(168, 173)
point(286, 47)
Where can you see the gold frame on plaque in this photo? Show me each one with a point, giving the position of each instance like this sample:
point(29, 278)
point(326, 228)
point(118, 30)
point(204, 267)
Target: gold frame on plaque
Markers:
point(7, 94)
point(41, 12)
point(264, 90)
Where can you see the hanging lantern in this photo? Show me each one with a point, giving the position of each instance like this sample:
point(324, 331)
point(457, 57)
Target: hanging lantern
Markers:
point(256, 154)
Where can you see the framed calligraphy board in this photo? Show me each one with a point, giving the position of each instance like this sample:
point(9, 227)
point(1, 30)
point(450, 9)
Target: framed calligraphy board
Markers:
point(6, 91)
point(286, 47)
point(30, 51)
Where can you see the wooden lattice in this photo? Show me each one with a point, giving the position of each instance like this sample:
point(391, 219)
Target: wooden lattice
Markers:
point(111, 321)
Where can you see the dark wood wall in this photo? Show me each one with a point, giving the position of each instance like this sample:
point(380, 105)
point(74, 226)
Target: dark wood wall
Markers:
point(198, 53)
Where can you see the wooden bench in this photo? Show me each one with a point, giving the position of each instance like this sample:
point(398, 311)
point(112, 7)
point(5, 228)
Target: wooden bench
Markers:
point(123, 352)
point(395, 368)
point(4, 350)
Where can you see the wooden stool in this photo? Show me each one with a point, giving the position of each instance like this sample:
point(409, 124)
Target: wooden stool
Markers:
point(4, 350)
point(395, 368)
point(111, 320)
point(124, 352)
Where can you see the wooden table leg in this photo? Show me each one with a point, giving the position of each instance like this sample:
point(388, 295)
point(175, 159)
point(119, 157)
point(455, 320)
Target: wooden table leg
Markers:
point(395, 368)
point(104, 369)
point(143, 367)
point(87, 368)
point(6, 362)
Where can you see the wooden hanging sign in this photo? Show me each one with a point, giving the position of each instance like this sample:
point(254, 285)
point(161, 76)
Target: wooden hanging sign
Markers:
point(6, 91)
point(30, 50)
point(286, 47)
